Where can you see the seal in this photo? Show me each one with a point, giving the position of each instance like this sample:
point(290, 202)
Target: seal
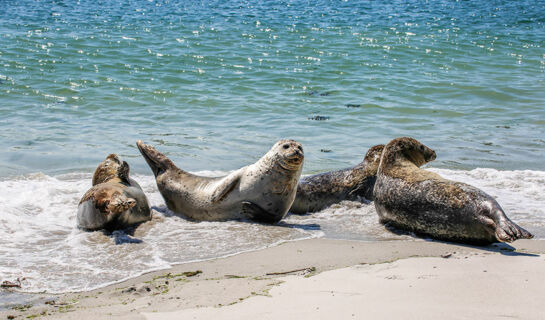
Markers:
point(319, 191)
point(410, 198)
point(115, 201)
point(262, 191)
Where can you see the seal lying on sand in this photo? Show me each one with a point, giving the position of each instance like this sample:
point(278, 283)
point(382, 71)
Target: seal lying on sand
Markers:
point(115, 201)
point(319, 191)
point(263, 191)
point(414, 199)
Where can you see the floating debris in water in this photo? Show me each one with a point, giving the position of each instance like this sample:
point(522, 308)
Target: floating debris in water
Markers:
point(9, 284)
point(351, 105)
point(317, 93)
point(325, 150)
point(319, 118)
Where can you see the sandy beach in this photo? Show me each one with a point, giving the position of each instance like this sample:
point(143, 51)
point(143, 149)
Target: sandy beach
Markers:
point(324, 278)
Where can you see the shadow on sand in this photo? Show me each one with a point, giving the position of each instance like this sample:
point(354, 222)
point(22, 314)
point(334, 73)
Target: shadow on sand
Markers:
point(499, 247)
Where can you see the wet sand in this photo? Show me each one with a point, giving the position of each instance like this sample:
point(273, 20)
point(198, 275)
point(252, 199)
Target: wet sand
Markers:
point(325, 278)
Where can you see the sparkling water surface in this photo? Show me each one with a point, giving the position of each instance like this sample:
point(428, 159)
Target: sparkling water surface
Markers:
point(214, 84)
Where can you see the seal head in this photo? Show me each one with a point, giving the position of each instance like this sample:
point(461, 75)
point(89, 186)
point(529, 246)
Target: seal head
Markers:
point(288, 154)
point(405, 149)
point(111, 168)
point(410, 198)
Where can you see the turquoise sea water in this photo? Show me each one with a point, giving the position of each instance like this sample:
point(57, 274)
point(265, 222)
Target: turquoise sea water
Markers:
point(214, 84)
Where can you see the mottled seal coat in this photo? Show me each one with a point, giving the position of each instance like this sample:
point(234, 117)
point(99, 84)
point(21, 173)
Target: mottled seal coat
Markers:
point(263, 191)
point(317, 192)
point(115, 201)
point(414, 199)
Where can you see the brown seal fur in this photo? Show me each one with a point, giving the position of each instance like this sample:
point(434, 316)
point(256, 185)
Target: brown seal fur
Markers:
point(414, 199)
point(115, 201)
point(319, 191)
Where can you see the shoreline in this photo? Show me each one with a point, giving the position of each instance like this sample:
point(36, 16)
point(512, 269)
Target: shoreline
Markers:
point(230, 280)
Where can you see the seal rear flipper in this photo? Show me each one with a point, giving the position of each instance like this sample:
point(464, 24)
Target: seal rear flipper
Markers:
point(225, 188)
point(157, 161)
point(509, 231)
point(256, 213)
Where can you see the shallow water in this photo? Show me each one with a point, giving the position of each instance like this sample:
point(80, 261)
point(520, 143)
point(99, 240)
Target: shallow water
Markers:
point(214, 85)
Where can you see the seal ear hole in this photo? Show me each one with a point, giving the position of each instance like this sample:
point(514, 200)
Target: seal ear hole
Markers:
point(286, 146)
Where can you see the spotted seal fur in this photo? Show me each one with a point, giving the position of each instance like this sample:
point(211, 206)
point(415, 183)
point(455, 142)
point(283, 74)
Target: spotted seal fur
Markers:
point(319, 191)
point(262, 191)
point(115, 201)
point(410, 198)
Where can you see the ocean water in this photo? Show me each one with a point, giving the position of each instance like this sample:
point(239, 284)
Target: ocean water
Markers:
point(214, 84)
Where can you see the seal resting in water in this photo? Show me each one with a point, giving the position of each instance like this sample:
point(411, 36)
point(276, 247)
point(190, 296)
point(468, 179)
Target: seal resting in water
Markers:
point(115, 201)
point(263, 191)
point(414, 199)
point(317, 192)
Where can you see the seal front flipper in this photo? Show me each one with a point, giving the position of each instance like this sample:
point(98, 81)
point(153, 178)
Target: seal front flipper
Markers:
point(120, 204)
point(225, 187)
point(256, 213)
point(157, 161)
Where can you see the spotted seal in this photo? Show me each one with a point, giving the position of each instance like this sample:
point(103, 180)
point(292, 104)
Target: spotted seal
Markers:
point(262, 191)
point(115, 201)
point(317, 192)
point(421, 201)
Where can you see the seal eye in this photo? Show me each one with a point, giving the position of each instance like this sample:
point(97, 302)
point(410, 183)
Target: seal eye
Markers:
point(286, 146)
point(300, 148)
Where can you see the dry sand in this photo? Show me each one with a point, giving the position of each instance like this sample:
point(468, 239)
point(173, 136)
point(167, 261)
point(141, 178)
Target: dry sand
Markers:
point(335, 278)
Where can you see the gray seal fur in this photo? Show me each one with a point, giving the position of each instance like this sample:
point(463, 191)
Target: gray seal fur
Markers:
point(319, 191)
point(115, 201)
point(410, 198)
point(262, 191)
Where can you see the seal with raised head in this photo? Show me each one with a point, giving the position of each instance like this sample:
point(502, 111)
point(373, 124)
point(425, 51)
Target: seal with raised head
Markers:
point(319, 191)
point(115, 201)
point(410, 198)
point(262, 191)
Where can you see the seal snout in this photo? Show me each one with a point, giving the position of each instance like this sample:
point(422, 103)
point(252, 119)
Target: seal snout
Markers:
point(296, 154)
point(432, 156)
